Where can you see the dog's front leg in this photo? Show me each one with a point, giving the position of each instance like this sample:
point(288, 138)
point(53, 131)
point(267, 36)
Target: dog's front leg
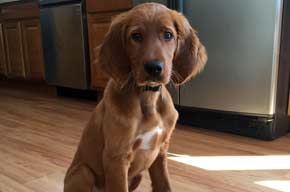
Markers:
point(116, 173)
point(159, 173)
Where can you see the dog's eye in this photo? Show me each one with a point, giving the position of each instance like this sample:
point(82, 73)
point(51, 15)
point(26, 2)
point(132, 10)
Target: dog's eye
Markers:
point(137, 37)
point(168, 36)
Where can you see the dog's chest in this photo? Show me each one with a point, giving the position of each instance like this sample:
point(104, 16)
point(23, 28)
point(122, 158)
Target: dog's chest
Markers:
point(147, 140)
point(146, 147)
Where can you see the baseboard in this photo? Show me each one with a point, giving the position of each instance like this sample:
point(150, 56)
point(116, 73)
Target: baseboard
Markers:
point(77, 93)
point(260, 127)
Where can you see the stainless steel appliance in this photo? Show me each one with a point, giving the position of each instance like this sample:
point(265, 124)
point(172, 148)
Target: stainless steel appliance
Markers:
point(244, 87)
point(65, 43)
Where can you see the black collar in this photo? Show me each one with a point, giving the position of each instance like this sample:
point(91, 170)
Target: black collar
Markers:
point(150, 88)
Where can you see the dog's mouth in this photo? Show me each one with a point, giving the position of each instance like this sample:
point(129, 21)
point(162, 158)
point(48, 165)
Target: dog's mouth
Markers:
point(150, 83)
point(150, 86)
point(151, 79)
point(153, 83)
point(143, 79)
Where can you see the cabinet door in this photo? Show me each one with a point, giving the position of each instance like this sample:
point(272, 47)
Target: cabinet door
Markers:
point(14, 53)
point(98, 25)
point(32, 47)
point(3, 70)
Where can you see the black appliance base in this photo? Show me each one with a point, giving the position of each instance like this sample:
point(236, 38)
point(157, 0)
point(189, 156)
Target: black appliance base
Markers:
point(260, 127)
point(77, 93)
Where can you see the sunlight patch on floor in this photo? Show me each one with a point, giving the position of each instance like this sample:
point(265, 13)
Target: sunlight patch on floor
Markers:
point(234, 163)
point(279, 185)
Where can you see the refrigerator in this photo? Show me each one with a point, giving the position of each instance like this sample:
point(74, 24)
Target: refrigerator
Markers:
point(244, 86)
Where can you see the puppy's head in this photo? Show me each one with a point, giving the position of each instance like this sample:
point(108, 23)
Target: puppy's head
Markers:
point(153, 44)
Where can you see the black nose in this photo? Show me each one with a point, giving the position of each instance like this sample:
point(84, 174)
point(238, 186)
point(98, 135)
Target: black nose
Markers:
point(154, 68)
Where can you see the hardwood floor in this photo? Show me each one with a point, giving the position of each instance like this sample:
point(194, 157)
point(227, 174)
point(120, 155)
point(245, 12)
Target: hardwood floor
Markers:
point(39, 134)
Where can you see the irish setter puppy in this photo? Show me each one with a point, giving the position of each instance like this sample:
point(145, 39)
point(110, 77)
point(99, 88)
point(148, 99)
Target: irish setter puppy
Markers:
point(130, 129)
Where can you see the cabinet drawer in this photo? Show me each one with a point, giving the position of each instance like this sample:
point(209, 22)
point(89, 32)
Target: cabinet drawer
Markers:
point(108, 5)
point(19, 11)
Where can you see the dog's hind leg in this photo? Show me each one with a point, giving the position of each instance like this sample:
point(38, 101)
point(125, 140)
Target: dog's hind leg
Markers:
point(80, 178)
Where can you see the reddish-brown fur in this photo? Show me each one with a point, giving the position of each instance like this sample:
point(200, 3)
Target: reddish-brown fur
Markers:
point(109, 156)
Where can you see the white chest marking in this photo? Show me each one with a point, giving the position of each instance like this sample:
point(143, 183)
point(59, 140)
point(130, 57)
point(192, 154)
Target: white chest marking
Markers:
point(146, 137)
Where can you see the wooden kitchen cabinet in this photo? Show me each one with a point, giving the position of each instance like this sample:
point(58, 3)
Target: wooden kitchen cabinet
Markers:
point(108, 5)
point(98, 25)
point(32, 47)
point(21, 33)
point(14, 51)
point(99, 17)
point(3, 68)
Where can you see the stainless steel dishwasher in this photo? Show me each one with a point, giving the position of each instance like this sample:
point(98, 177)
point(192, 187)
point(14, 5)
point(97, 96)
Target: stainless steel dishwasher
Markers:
point(64, 43)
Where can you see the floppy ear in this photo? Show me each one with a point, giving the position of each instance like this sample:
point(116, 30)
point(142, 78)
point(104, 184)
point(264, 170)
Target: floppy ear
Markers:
point(190, 56)
point(112, 56)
